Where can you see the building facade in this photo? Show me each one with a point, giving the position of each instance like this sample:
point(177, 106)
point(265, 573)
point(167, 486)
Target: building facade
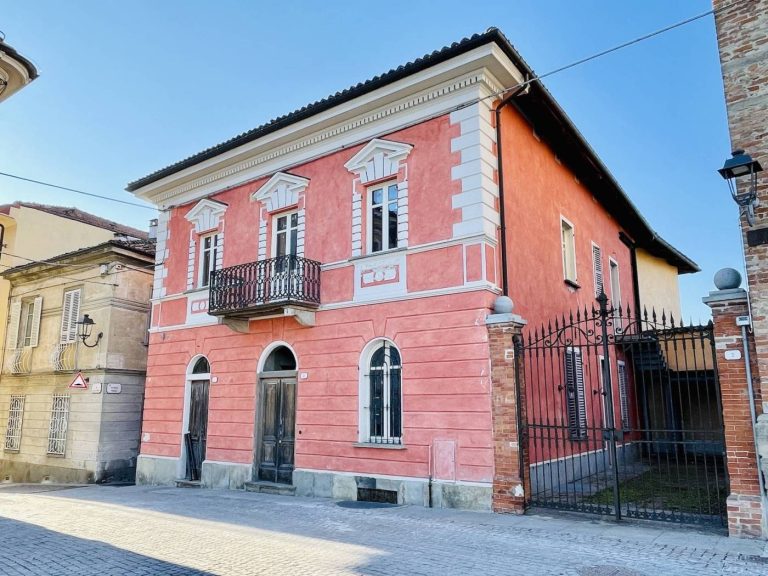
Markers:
point(57, 427)
point(323, 282)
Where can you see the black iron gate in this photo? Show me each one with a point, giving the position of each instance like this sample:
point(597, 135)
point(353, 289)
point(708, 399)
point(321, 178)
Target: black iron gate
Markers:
point(624, 416)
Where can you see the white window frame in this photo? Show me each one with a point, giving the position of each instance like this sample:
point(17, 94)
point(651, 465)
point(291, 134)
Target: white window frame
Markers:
point(15, 423)
point(288, 229)
point(597, 269)
point(27, 323)
point(202, 279)
point(365, 436)
point(568, 251)
point(369, 206)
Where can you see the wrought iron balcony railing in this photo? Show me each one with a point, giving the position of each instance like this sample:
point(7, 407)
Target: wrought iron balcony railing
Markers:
point(265, 285)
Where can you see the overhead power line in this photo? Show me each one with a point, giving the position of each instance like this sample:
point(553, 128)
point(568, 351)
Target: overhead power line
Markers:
point(494, 95)
point(615, 48)
point(92, 195)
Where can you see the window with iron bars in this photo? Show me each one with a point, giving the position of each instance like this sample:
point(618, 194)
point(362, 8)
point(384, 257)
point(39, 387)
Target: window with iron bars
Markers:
point(15, 419)
point(57, 433)
point(385, 396)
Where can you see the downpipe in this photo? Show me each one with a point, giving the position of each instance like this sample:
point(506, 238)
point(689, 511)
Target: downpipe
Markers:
point(753, 416)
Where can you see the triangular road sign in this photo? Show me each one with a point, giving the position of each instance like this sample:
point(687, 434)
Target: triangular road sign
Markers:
point(79, 382)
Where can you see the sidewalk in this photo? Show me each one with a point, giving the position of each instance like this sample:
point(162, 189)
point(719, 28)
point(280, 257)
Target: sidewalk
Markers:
point(159, 530)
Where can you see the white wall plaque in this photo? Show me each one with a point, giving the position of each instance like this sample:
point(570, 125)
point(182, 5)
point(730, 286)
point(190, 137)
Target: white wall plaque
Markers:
point(733, 354)
point(96, 388)
point(114, 388)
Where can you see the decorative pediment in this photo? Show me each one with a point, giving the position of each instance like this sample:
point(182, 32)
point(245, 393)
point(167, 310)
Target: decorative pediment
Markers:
point(206, 215)
point(281, 191)
point(378, 159)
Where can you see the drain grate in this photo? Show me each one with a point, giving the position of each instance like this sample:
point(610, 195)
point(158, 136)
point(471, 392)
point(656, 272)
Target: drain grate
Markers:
point(361, 505)
point(377, 495)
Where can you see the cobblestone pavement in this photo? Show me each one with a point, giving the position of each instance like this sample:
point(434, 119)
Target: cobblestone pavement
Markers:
point(155, 531)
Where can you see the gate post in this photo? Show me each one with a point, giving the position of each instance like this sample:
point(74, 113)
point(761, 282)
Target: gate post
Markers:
point(511, 474)
point(745, 502)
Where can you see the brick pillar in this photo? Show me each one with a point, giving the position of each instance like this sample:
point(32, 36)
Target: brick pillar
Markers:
point(510, 487)
point(745, 512)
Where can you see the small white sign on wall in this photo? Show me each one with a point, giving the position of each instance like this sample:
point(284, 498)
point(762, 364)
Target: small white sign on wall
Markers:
point(96, 388)
point(733, 354)
point(114, 388)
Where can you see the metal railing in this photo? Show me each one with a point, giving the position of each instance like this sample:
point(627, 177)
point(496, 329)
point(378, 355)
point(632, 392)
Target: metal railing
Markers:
point(266, 283)
point(63, 357)
point(20, 361)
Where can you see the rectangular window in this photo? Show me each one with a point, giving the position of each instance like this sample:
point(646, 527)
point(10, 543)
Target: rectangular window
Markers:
point(27, 322)
point(569, 250)
point(382, 218)
point(57, 432)
point(70, 314)
point(623, 394)
point(597, 269)
point(15, 418)
point(208, 252)
point(575, 398)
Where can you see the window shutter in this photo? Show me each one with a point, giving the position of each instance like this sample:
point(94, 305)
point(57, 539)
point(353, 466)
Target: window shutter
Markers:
point(597, 264)
point(70, 314)
point(37, 311)
point(13, 324)
point(577, 412)
point(623, 397)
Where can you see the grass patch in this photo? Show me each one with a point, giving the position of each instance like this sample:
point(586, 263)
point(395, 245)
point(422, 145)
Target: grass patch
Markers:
point(685, 488)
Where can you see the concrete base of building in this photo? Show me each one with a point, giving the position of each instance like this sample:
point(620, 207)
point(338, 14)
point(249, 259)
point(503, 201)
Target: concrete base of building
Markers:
point(414, 491)
point(25, 472)
point(745, 517)
point(157, 470)
point(225, 475)
point(165, 471)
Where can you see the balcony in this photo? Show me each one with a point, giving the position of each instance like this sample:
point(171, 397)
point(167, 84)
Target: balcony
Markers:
point(277, 285)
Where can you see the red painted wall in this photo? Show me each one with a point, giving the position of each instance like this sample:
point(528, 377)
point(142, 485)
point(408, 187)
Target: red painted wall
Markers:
point(538, 190)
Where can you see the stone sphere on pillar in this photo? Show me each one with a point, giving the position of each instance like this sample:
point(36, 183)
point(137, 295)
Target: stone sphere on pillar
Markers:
point(727, 279)
point(503, 305)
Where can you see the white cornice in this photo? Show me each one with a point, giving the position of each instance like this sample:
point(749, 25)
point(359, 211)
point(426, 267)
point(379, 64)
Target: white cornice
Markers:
point(429, 93)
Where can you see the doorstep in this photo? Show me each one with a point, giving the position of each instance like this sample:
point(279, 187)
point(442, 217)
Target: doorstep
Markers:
point(188, 484)
point(271, 488)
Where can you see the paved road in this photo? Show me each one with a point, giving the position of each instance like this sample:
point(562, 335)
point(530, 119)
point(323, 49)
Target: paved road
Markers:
point(156, 531)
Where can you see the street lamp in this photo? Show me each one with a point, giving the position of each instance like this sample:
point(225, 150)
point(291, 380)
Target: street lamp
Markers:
point(742, 165)
point(84, 329)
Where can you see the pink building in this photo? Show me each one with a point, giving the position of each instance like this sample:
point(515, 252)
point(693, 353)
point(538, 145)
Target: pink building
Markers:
point(323, 281)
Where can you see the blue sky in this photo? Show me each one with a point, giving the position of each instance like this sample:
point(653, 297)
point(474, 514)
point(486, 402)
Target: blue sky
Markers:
point(126, 88)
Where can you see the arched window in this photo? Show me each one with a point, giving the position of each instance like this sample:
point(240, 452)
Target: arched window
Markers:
point(201, 366)
point(382, 395)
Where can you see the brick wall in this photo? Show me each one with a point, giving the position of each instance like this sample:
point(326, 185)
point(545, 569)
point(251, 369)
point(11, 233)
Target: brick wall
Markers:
point(510, 491)
point(742, 35)
point(744, 502)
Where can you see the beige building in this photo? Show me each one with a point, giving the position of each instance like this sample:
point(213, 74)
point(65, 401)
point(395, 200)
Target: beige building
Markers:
point(31, 232)
point(54, 430)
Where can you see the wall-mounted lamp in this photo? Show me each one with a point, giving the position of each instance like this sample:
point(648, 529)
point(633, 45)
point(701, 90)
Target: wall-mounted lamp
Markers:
point(84, 329)
point(741, 165)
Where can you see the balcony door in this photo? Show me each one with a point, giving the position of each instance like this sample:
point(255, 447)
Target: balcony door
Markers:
point(285, 281)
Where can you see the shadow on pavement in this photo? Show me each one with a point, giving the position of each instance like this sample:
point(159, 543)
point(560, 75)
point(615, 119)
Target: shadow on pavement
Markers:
point(29, 549)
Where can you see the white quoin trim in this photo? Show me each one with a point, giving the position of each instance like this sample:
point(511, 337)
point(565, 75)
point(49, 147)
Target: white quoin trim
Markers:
point(206, 215)
point(281, 191)
point(378, 159)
